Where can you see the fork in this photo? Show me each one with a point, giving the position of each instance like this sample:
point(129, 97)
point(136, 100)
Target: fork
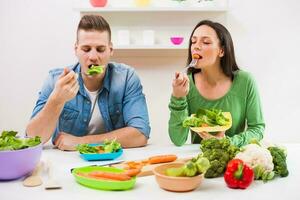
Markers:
point(192, 64)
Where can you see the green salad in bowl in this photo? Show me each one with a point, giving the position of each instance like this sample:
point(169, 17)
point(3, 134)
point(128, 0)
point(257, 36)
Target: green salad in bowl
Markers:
point(18, 155)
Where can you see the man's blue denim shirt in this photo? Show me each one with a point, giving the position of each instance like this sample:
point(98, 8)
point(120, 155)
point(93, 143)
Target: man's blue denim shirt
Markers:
point(121, 102)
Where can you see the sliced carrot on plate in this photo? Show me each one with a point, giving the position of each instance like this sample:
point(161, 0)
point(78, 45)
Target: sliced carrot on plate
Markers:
point(162, 159)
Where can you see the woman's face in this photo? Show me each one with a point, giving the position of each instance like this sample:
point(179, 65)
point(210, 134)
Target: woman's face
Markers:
point(205, 43)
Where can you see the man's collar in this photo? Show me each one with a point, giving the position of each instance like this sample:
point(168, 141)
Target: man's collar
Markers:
point(107, 77)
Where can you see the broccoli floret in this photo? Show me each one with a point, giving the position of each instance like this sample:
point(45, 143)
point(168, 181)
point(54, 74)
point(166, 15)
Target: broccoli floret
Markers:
point(216, 169)
point(261, 174)
point(212, 143)
point(202, 164)
point(218, 152)
point(225, 143)
point(190, 169)
point(279, 161)
point(232, 151)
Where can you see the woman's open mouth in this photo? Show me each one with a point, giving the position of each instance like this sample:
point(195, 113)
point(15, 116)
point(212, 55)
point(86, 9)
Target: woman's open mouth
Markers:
point(197, 56)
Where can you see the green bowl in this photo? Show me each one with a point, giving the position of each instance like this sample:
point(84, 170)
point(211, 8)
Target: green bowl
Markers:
point(102, 184)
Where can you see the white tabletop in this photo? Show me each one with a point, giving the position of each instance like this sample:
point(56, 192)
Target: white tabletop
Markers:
point(146, 187)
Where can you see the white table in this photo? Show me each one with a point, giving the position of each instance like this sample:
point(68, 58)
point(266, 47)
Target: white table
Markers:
point(146, 187)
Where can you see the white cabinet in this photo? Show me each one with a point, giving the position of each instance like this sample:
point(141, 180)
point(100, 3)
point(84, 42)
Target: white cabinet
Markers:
point(165, 22)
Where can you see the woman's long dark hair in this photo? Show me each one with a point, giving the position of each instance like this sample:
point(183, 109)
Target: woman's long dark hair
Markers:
point(228, 63)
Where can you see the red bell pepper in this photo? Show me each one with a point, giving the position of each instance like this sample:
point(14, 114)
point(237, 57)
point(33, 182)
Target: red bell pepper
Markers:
point(238, 174)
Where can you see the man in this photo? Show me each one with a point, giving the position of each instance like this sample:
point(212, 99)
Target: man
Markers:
point(74, 107)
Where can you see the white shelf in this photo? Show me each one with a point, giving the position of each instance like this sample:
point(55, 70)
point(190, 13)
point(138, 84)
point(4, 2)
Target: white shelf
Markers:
point(152, 9)
point(157, 16)
point(150, 51)
point(164, 21)
point(149, 47)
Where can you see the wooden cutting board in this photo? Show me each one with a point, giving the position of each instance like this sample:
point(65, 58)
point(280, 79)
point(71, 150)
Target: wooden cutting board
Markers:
point(147, 169)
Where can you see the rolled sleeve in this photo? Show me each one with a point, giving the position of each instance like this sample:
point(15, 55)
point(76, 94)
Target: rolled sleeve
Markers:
point(44, 94)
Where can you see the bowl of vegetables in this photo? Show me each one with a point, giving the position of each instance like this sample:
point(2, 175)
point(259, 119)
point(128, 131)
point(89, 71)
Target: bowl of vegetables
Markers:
point(18, 156)
point(109, 150)
point(181, 177)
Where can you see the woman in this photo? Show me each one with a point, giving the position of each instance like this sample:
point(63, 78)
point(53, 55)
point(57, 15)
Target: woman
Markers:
point(215, 82)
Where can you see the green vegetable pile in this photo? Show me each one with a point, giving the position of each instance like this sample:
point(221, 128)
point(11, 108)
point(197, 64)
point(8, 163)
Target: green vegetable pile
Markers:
point(219, 152)
point(194, 167)
point(95, 69)
point(208, 117)
point(109, 146)
point(267, 163)
point(9, 141)
point(279, 160)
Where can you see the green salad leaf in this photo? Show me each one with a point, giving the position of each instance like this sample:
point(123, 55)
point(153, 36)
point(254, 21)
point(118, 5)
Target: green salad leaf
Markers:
point(95, 69)
point(207, 117)
point(109, 146)
point(85, 148)
point(10, 141)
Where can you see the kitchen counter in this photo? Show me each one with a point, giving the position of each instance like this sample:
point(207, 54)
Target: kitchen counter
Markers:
point(146, 187)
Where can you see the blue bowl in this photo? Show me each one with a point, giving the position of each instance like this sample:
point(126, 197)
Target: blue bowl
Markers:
point(101, 156)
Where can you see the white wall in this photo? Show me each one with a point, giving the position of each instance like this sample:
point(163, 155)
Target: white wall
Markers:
point(36, 36)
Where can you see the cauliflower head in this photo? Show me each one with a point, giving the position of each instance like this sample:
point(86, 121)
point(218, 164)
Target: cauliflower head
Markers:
point(254, 155)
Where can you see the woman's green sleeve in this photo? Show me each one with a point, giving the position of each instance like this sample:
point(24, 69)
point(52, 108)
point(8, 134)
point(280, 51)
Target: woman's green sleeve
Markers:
point(254, 118)
point(178, 112)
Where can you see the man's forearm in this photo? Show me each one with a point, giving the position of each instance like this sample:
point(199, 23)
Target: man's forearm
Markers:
point(128, 137)
point(44, 123)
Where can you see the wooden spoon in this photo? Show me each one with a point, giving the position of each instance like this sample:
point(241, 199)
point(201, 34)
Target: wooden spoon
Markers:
point(34, 179)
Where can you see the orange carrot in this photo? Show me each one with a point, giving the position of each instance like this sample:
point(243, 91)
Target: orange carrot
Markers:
point(94, 177)
point(111, 175)
point(134, 165)
point(145, 162)
point(204, 125)
point(132, 172)
point(101, 151)
point(196, 56)
point(162, 159)
point(81, 174)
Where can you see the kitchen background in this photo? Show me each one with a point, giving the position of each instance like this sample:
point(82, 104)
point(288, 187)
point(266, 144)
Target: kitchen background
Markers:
point(36, 36)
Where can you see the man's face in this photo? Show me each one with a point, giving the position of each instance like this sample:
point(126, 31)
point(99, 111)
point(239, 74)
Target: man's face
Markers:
point(93, 48)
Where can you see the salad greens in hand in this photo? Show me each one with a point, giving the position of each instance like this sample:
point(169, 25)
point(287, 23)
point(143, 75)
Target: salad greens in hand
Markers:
point(95, 69)
point(109, 146)
point(206, 117)
point(9, 141)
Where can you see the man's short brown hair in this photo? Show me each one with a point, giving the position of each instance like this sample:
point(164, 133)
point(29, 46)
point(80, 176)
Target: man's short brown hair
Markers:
point(94, 23)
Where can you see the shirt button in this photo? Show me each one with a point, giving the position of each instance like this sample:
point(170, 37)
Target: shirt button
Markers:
point(84, 120)
point(88, 102)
